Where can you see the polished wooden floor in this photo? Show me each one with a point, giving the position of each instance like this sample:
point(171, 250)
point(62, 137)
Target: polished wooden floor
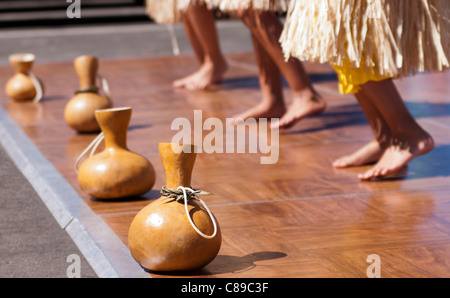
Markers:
point(296, 218)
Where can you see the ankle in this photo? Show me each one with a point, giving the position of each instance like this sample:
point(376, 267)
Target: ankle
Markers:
point(272, 101)
point(307, 94)
point(419, 141)
point(215, 63)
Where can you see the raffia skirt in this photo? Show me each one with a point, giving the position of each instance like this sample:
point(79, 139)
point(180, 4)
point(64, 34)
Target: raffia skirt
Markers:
point(171, 11)
point(369, 40)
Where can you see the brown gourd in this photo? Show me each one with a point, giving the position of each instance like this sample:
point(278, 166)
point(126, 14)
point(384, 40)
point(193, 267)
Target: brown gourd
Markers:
point(161, 236)
point(116, 172)
point(23, 86)
point(80, 110)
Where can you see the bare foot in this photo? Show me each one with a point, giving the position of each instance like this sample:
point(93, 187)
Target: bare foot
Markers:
point(398, 154)
point(265, 109)
point(208, 74)
point(301, 107)
point(368, 154)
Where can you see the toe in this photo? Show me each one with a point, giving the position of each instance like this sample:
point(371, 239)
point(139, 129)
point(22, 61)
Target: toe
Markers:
point(367, 175)
point(339, 163)
point(275, 124)
point(177, 84)
point(238, 120)
point(286, 122)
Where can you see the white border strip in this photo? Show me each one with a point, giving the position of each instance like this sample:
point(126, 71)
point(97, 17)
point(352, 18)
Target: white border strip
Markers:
point(101, 247)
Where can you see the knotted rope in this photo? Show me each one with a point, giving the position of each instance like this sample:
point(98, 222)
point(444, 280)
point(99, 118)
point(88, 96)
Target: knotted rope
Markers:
point(184, 195)
point(94, 89)
point(178, 195)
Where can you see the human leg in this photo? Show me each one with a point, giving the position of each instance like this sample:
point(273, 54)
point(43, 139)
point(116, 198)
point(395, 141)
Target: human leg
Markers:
point(266, 28)
point(200, 28)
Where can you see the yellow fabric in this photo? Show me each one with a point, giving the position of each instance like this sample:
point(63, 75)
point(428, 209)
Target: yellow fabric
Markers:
point(351, 78)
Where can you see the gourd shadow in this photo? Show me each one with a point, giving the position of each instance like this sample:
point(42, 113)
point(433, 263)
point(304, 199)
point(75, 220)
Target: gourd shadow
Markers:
point(138, 126)
point(228, 264)
point(149, 196)
point(54, 97)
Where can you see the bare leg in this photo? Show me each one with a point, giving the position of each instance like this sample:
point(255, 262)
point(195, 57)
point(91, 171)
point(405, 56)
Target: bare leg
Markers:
point(272, 104)
point(408, 139)
point(371, 152)
point(200, 28)
point(193, 39)
point(266, 27)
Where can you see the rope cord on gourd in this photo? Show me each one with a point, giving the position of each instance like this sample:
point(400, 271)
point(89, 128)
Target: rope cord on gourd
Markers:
point(94, 89)
point(37, 84)
point(184, 195)
point(92, 146)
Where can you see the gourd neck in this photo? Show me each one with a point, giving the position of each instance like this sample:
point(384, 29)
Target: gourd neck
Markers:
point(178, 166)
point(22, 69)
point(115, 139)
point(86, 68)
point(114, 125)
point(22, 62)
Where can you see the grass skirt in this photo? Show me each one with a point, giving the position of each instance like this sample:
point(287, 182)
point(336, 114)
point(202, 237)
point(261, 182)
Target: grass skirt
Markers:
point(171, 11)
point(262, 5)
point(386, 38)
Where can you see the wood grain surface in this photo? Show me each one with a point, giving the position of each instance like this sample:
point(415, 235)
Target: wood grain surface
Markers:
point(296, 218)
